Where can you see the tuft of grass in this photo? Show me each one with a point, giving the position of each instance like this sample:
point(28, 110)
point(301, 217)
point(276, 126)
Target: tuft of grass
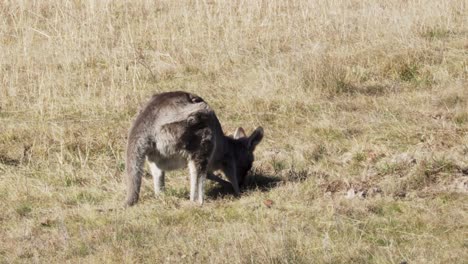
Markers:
point(409, 72)
point(461, 118)
point(436, 33)
point(23, 209)
point(427, 173)
point(178, 193)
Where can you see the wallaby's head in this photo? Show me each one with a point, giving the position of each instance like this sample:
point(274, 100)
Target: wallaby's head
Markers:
point(243, 152)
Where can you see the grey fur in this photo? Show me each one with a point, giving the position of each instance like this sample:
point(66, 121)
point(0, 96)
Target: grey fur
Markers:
point(177, 129)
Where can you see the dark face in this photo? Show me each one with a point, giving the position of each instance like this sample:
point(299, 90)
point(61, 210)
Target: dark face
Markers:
point(245, 160)
point(244, 147)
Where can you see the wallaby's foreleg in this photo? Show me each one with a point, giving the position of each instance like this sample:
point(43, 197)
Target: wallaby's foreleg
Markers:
point(217, 179)
point(231, 174)
point(158, 177)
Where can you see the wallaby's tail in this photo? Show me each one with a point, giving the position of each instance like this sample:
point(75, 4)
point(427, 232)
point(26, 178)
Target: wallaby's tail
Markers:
point(136, 153)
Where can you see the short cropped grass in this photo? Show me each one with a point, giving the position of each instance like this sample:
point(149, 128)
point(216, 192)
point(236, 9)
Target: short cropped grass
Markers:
point(364, 106)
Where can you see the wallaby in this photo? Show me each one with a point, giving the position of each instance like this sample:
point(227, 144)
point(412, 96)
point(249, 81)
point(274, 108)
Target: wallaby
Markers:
point(178, 129)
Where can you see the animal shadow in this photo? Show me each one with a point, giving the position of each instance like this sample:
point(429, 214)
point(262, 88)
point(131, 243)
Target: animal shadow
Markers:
point(255, 181)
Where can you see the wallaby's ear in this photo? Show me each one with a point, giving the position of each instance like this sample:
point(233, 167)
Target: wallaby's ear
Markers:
point(239, 133)
point(255, 138)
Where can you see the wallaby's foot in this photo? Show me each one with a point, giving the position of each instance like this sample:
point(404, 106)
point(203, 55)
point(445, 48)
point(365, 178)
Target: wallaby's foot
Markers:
point(130, 203)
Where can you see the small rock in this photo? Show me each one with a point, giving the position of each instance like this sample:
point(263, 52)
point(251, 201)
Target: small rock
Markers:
point(268, 203)
point(46, 222)
point(465, 171)
point(400, 194)
point(374, 191)
point(403, 158)
point(361, 194)
point(347, 157)
point(461, 185)
point(350, 194)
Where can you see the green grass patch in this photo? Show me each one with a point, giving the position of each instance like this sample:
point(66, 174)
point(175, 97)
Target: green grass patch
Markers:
point(24, 209)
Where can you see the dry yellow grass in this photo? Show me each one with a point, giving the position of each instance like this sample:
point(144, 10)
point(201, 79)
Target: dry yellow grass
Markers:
point(364, 105)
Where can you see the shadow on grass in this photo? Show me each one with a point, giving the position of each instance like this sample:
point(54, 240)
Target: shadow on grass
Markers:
point(256, 181)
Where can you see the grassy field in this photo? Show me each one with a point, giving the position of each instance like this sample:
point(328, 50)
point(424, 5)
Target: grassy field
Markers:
point(364, 106)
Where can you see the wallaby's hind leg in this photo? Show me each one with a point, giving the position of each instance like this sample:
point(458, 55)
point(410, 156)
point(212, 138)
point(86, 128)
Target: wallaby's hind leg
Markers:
point(197, 181)
point(199, 146)
point(158, 177)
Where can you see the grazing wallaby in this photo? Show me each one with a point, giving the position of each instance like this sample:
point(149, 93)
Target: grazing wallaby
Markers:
point(177, 129)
